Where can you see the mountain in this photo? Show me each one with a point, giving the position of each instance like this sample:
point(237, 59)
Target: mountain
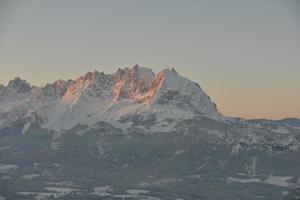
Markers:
point(114, 98)
point(135, 134)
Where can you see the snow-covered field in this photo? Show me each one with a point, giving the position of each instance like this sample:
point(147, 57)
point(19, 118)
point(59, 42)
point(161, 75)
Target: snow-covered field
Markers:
point(273, 180)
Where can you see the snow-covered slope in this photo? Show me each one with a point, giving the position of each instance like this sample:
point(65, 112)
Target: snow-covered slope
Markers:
point(123, 98)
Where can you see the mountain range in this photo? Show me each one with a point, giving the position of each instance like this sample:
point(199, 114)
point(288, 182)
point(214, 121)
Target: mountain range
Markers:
point(135, 134)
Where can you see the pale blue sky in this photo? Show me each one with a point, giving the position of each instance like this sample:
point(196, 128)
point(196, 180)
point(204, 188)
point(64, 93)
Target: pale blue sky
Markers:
point(245, 54)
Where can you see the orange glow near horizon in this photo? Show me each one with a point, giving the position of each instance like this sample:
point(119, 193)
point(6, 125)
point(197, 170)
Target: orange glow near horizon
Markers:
point(274, 102)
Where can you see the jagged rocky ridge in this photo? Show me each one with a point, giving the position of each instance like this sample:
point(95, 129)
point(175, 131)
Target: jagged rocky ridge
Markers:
point(114, 97)
point(130, 98)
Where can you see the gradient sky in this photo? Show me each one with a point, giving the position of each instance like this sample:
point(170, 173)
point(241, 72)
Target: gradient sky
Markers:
point(245, 54)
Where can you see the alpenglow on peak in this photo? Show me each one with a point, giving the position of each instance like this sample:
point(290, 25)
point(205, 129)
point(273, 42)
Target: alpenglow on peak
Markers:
point(126, 99)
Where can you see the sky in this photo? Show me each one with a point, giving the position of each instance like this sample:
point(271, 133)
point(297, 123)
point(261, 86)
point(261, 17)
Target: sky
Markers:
point(244, 54)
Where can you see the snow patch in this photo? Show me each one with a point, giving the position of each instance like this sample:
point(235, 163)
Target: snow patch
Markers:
point(176, 153)
point(30, 176)
point(102, 191)
point(272, 180)
point(4, 168)
point(137, 192)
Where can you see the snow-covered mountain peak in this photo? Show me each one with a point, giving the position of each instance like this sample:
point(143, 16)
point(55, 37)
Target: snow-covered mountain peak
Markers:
point(92, 76)
point(135, 72)
point(132, 82)
point(143, 72)
point(50, 91)
point(96, 96)
point(171, 79)
point(19, 85)
point(91, 84)
point(170, 88)
point(169, 70)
